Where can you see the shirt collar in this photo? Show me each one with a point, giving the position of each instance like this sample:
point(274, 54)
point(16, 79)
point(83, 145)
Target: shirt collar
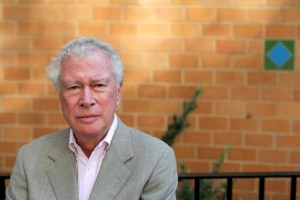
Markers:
point(107, 139)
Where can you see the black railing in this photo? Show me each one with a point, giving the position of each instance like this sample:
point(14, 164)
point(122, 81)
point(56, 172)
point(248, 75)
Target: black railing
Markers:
point(3, 177)
point(196, 177)
point(261, 176)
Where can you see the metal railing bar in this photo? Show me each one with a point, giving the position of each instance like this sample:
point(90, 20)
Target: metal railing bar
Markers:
point(293, 188)
point(261, 193)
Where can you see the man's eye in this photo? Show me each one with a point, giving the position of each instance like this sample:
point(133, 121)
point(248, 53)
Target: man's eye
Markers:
point(73, 87)
point(99, 85)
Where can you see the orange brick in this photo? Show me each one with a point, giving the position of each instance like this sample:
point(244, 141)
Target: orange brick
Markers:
point(230, 108)
point(47, 44)
point(231, 46)
point(167, 76)
point(215, 93)
point(8, 88)
point(184, 151)
point(137, 75)
point(16, 103)
point(7, 118)
point(47, 12)
point(251, 30)
point(281, 31)
point(275, 125)
point(231, 14)
point(245, 93)
point(243, 154)
point(259, 140)
point(31, 118)
point(281, 3)
point(198, 138)
point(8, 28)
point(106, 13)
point(204, 107)
point(228, 138)
point(152, 91)
point(128, 59)
point(32, 28)
point(170, 14)
point(7, 147)
point(274, 94)
point(296, 126)
point(129, 90)
point(295, 157)
point(208, 152)
point(30, 59)
point(46, 104)
point(123, 30)
point(8, 59)
point(77, 12)
point(261, 110)
point(16, 73)
point(15, 43)
point(38, 74)
point(213, 123)
point(217, 30)
point(136, 105)
point(244, 124)
point(200, 45)
point(93, 29)
point(61, 29)
point(185, 30)
point(274, 156)
point(200, 14)
point(257, 167)
point(17, 133)
point(157, 45)
point(230, 78)
point(248, 62)
point(288, 141)
point(198, 77)
point(56, 118)
point(269, 15)
point(289, 79)
point(255, 46)
point(143, 14)
point(182, 91)
point(289, 110)
point(184, 61)
point(38, 132)
point(166, 106)
point(34, 89)
point(153, 30)
point(215, 61)
point(153, 60)
point(156, 121)
point(15, 12)
point(262, 78)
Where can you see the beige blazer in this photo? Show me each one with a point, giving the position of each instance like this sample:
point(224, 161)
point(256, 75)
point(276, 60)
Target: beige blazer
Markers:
point(136, 166)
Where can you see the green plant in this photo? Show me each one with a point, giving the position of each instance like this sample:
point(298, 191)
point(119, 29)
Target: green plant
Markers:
point(180, 122)
point(207, 189)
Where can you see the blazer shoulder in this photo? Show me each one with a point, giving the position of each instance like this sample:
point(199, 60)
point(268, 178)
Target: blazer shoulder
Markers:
point(47, 141)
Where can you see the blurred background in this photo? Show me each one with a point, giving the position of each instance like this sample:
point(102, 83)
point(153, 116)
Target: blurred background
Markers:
point(243, 53)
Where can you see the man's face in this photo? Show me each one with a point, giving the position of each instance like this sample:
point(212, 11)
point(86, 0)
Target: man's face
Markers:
point(88, 94)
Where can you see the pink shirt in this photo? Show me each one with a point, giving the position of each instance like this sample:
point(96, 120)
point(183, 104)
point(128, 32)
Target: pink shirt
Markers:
point(88, 168)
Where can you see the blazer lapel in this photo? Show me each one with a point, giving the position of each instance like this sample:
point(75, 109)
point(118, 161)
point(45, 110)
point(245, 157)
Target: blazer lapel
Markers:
point(113, 173)
point(62, 174)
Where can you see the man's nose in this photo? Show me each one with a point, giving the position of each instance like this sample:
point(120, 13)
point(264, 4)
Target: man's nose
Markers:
point(87, 98)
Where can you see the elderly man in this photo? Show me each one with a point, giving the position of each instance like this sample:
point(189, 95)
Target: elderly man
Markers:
point(97, 157)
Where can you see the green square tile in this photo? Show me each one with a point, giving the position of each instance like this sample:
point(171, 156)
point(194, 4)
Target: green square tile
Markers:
point(279, 54)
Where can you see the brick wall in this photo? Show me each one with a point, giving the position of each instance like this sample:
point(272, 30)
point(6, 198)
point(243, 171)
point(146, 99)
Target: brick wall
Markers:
point(169, 48)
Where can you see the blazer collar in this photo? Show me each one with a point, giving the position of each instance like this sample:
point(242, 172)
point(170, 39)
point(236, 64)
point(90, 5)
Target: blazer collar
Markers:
point(62, 174)
point(113, 173)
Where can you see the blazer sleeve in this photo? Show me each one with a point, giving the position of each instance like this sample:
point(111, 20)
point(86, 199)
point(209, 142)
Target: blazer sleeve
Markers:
point(164, 179)
point(17, 189)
